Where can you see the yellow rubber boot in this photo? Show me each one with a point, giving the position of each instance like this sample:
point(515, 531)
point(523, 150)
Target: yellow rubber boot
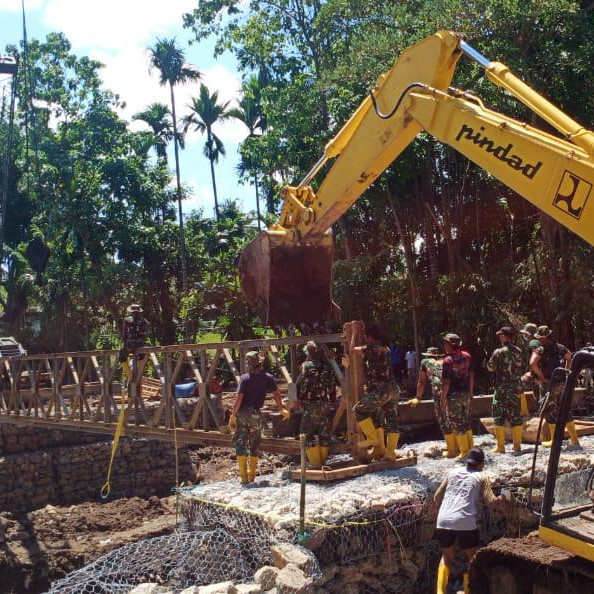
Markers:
point(573, 436)
point(462, 441)
point(451, 445)
point(470, 438)
point(517, 437)
point(127, 369)
point(243, 469)
point(524, 412)
point(466, 583)
point(313, 455)
point(548, 444)
point(380, 449)
point(500, 437)
point(368, 429)
point(391, 445)
point(324, 453)
point(443, 577)
point(253, 468)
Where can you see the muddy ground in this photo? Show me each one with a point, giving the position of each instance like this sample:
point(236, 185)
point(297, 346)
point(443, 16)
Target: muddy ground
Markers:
point(46, 544)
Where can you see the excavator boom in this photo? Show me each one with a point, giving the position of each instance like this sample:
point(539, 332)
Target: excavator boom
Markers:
point(286, 273)
point(281, 292)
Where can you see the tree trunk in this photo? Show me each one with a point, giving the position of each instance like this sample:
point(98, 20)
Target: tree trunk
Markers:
point(182, 239)
point(214, 182)
point(409, 259)
point(257, 201)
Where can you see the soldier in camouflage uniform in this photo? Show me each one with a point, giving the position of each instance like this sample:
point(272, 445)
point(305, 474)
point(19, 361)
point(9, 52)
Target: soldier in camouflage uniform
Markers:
point(547, 357)
point(316, 390)
point(134, 331)
point(376, 411)
point(431, 370)
point(246, 422)
point(456, 391)
point(507, 364)
point(529, 343)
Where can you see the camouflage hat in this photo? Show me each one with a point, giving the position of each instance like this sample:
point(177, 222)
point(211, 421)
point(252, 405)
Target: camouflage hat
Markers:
point(253, 359)
point(506, 331)
point(310, 347)
point(453, 339)
point(134, 307)
point(543, 332)
point(529, 329)
point(432, 352)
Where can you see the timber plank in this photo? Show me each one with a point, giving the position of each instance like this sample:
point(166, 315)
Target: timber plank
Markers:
point(352, 469)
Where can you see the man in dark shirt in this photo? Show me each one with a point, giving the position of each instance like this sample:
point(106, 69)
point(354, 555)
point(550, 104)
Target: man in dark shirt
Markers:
point(134, 330)
point(457, 388)
point(544, 360)
point(246, 421)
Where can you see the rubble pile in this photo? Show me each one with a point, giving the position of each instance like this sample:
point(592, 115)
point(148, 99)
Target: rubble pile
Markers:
point(375, 532)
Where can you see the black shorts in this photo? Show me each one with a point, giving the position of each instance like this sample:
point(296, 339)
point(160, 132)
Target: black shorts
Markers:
point(466, 539)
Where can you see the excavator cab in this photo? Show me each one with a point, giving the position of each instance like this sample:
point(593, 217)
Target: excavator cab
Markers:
point(288, 281)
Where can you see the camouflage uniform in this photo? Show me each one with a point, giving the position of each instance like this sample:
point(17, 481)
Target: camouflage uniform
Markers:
point(549, 353)
point(248, 435)
point(134, 335)
point(507, 363)
point(380, 400)
point(457, 367)
point(433, 368)
point(530, 384)
point(316, 389)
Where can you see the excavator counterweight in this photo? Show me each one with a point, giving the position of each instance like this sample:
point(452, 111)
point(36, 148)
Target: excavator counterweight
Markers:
point(287, 281)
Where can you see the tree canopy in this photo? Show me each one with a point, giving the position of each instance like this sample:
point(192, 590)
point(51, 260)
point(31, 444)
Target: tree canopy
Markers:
point(435, 244)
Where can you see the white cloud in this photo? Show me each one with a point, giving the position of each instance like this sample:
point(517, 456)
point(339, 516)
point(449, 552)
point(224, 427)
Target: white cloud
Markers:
point(202, 198)
point(114, 24)
point(15, 5)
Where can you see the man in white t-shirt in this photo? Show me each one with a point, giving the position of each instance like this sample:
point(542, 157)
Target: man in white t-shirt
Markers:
point(411, 364)
point(458, 497)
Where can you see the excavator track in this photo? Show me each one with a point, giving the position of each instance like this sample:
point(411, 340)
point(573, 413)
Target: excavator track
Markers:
point(527, 565)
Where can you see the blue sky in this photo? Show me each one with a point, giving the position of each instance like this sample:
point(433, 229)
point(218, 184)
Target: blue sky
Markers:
point(117, 32)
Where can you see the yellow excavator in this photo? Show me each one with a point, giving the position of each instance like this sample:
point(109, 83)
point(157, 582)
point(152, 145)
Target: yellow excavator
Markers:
point(286, 272)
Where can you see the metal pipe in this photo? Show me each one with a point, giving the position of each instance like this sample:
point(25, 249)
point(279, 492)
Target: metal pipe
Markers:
point(474, 54)
point(312, 172)
point(303, 482)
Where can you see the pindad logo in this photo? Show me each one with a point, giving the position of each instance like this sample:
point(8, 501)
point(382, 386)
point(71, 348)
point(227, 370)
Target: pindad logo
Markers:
point(502, 152)
point(572, 194)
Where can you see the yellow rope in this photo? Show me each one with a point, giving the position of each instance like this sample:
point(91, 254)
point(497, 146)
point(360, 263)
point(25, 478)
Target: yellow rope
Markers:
point(106, 488)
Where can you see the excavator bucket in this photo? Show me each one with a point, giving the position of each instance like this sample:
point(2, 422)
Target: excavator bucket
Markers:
point(286, 281)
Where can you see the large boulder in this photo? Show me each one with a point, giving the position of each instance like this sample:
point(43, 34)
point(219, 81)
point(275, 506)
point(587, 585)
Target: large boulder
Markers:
point(284, 553)
point(266, 576)
point(291, 580)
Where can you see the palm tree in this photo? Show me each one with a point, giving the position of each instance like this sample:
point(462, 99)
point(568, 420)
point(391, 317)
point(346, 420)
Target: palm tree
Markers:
point(250, 113)
point(169, 59)
point(158, 117)
point(205, 112)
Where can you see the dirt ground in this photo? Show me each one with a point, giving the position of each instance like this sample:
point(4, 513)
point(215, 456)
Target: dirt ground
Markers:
point(46, 544)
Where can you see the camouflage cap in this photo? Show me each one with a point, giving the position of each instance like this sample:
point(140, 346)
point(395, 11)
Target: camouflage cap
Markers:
point(253, 359)
point(134, 307)
point(310, 347)
point(432, 352)
point(453, 339)
point(529, 328)
point(543, 332)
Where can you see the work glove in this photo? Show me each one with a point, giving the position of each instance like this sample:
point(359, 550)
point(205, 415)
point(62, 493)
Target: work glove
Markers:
point(285, 414)
point(232, 423)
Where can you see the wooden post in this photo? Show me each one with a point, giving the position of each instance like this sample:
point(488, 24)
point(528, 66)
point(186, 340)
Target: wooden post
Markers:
point(354, 380)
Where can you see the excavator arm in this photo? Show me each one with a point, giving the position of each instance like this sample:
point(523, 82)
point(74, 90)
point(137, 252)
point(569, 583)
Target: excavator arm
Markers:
point(286, 272)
